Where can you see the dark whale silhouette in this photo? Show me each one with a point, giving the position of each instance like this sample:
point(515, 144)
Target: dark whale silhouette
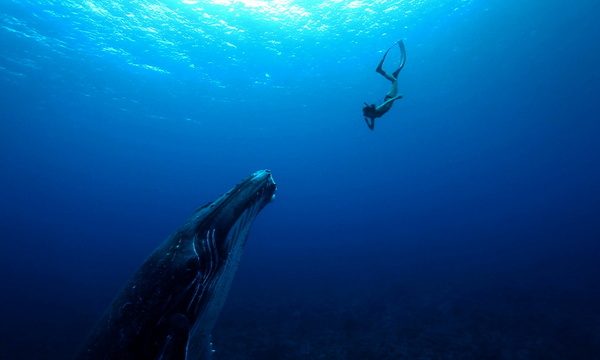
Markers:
point(169, 307)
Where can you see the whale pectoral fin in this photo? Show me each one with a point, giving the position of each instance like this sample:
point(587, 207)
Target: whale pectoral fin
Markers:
point(176, 341)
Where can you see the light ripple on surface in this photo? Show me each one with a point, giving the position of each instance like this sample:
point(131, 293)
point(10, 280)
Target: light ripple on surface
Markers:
point(181, 26)
point(221, 44)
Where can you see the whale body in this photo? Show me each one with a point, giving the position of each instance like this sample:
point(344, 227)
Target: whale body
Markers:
point(169, 307)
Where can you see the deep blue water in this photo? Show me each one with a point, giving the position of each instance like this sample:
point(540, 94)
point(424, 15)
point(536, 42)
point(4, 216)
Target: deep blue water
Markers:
point(466, 226)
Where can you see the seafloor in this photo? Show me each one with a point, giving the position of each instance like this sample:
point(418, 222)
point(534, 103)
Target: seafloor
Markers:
point(480, 317)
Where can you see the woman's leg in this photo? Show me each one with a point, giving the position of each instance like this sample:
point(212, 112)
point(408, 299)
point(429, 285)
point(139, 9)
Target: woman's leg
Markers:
point(393, 90)
point(380, 67)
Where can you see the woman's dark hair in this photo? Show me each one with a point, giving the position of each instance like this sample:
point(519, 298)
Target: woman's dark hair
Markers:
point(369, 110)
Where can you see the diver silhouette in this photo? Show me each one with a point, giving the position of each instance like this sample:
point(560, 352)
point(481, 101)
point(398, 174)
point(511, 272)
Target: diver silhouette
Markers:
point(371, 112)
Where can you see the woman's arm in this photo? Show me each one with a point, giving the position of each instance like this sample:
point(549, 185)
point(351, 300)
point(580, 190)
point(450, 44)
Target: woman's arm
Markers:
point(370, 125)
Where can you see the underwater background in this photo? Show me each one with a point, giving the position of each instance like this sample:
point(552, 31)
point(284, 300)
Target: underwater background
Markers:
point(465, 226)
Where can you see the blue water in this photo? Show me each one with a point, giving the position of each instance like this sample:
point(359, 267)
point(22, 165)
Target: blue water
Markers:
point(466, 226)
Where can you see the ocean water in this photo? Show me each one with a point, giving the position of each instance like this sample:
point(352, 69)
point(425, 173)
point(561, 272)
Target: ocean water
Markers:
point(465, 226)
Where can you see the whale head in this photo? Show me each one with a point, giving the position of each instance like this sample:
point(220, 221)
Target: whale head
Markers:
point(169, 307)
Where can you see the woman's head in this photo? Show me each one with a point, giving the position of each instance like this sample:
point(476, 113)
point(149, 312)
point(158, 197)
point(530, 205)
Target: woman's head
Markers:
point(369, 110)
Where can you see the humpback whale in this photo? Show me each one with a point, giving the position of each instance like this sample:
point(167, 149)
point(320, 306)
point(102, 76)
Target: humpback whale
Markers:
point(169, 307)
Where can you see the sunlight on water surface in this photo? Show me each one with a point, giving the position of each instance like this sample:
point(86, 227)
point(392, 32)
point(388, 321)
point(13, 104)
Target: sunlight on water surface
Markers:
point(174, 28)
point(204, 38)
